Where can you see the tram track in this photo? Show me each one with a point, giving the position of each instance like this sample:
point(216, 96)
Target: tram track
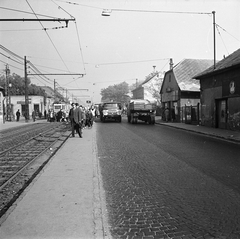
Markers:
point(19, 164)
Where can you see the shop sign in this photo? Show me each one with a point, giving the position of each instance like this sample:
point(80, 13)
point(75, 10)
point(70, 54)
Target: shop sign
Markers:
point(23, 102)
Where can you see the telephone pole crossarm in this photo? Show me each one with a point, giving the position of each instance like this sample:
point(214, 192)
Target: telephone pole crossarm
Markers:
point(56, 74)
point(37, 20)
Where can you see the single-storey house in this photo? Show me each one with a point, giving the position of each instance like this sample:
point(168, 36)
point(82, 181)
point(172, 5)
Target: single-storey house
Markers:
point(220, 93)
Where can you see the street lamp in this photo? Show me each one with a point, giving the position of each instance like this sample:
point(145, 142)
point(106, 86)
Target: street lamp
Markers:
point(107, 13)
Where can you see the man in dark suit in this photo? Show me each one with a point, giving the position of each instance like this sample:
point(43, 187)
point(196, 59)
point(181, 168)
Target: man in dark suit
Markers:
point(77, 121)
point(70, 115)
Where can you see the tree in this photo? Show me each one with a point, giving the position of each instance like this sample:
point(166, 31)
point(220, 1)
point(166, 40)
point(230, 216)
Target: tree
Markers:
point(116, 93)
point(18, 85)
point(154, 88)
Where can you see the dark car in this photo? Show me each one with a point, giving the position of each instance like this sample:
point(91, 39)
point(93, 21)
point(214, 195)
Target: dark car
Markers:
point(111, 110)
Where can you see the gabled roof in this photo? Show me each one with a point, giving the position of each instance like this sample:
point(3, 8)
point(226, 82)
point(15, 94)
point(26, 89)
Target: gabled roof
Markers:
point(148, 78)
point(185, 70)
point(230, 61)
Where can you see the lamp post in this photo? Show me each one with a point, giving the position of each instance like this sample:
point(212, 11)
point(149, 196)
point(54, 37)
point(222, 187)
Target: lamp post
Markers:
point(107, 13)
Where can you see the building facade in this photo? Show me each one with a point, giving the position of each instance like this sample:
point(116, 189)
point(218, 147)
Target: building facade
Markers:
point(180, 93)
point(220, 93)
point(148, 88)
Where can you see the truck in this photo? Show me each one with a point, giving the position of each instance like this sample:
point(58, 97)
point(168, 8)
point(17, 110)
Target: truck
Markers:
point(141, 109)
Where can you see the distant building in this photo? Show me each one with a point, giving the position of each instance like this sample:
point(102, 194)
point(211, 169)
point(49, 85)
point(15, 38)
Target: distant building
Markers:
point(220, 93)
point(147, 88)
point(2, 109)
point(179, 89)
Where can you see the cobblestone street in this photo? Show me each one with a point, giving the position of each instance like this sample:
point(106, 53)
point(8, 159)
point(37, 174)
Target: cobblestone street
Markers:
point(153, 193)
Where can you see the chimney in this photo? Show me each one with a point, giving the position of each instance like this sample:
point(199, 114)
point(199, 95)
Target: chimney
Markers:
point(171, 63)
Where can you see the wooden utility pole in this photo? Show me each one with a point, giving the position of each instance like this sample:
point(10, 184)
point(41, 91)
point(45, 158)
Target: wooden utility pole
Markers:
point(8, 100)
point(26, 91)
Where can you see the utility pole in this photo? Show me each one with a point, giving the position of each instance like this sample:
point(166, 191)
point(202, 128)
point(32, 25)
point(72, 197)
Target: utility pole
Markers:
point(214, 40)
point(8, 99)
point(54, 90)
point(26, 91)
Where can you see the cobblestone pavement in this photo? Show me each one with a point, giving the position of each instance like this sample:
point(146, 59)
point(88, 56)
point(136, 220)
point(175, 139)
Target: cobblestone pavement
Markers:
point(151, 193)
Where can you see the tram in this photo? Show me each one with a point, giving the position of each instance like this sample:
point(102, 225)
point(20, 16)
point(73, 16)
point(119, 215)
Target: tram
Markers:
point(65, 107)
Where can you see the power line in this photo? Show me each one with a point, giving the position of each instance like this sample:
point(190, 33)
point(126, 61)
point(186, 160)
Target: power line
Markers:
point(10, 65)
point(11, 58)
point(222, 40)
point(49, 38)
point(74, 3)
point(227, 32)
point(129, 62)
point(79, 44)
point(16, 10)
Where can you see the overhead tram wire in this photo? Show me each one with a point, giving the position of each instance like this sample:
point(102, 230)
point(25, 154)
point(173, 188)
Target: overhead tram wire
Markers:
point(227, 32)
point(222, 40)
point(49, 38)
point(129, 62)
point(79, 42)
point(27, 12)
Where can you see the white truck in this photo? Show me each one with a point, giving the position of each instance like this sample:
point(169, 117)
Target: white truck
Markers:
point(143, 110)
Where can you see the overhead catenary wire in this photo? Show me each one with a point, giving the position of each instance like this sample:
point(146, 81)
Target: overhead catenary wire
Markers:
point(78, 37)
point(16, 10)
point(127, 62)
point(49, 38)
point(218, 26)
point(222, 39)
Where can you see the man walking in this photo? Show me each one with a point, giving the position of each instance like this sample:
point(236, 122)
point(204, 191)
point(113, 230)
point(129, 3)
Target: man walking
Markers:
point(77, 121)
point(18, 115)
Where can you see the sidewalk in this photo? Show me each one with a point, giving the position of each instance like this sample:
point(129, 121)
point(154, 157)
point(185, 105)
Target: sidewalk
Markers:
point(229, 135)
point(21, 122)
point(63, 202)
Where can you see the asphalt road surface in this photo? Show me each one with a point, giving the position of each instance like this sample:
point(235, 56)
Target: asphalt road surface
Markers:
point(162, 182)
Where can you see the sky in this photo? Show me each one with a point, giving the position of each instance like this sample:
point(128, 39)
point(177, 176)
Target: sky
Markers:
point(138, 37)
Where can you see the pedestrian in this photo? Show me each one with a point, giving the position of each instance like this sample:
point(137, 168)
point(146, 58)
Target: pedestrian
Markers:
point(93, 111)
point(89, 118)
point(18, 115)
point(166, 114)
point(59, 115)
point(33, 116)
point(70, 115)
point(52, 116)
point(77, 121)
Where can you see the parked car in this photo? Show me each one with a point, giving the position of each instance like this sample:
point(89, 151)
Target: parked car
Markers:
point(111, 110)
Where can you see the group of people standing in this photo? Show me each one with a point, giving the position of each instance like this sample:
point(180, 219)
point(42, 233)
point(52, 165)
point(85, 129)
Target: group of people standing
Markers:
point(80, 118)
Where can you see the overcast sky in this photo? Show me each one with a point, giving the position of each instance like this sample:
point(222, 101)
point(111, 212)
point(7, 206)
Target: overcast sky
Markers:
point(124, 46)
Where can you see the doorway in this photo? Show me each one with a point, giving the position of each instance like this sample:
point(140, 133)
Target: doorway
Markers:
point(221, 114)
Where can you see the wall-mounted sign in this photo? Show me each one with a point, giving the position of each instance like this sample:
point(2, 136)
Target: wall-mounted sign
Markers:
point(232, 87)
point(23, 102)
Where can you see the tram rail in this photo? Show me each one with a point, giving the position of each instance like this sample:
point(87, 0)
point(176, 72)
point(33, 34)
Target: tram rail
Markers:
point(36, 141)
